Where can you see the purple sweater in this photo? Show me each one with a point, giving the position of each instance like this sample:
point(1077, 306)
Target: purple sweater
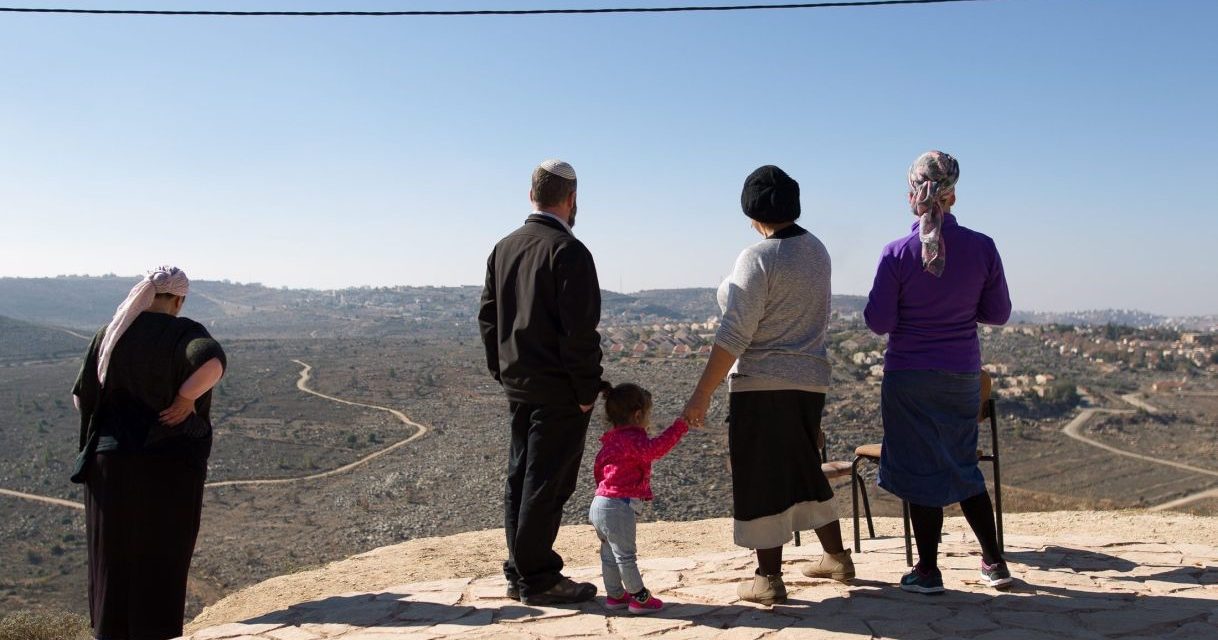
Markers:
point(932, 322)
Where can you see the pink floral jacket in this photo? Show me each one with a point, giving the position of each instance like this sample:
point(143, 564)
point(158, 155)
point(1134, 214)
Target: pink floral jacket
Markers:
point(623, 466)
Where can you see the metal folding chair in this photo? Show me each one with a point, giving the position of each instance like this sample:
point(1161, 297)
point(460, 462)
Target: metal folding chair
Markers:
point(871, 452)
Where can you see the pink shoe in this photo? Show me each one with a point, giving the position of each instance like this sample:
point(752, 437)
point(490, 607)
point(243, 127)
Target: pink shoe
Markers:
point(618, 603)
point(649, 604)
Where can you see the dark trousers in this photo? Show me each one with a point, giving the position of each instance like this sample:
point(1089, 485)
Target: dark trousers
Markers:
point(543, 465)
point(141, 519)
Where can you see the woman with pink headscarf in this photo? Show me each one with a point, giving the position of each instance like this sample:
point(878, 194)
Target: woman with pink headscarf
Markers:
point(932, 286)
point(144, 395)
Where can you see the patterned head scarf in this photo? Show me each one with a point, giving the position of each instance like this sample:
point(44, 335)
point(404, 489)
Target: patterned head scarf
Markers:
point(160, 280)
point(932, 178)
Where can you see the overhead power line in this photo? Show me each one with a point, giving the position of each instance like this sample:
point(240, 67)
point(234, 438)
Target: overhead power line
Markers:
point(484, 12)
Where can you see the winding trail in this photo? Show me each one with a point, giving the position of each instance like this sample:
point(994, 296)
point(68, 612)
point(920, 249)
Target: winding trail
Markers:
point(74, 334)
point(1188, 499)
point(1073, 430)
point(1135, 400)
point(303, 384)
point(45, 499)
point(1074, 426)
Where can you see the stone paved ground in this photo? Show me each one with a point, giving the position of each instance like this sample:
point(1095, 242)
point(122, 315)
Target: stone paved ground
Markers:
point(1070, 586)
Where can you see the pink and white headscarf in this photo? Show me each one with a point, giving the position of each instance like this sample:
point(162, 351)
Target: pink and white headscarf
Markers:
point(163, 279)
point(932, 178)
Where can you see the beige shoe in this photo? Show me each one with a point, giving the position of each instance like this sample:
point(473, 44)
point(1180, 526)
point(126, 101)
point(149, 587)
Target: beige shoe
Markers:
point(837, 566)
point(762, 589)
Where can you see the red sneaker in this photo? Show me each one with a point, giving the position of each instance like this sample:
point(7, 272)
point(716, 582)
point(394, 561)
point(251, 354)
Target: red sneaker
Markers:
point(617, 603)
point(645, 604)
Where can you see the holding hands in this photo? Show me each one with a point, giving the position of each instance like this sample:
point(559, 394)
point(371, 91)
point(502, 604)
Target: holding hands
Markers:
point(695, 410)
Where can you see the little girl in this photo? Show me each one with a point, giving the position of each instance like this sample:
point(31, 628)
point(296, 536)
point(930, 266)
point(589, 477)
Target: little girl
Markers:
point(623, 481)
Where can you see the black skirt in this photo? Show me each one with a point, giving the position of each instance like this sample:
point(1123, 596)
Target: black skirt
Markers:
point(776, 470)
point(142, 518)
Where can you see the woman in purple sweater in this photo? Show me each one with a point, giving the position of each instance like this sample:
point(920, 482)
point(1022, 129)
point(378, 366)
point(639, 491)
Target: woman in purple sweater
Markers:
point(931, 289)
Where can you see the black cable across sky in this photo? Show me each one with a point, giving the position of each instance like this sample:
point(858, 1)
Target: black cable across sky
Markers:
point(484, 12)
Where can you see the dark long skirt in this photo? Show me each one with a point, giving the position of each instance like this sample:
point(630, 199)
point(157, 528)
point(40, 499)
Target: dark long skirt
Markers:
point(777, 483)
point(142, 517)
point(929, 456)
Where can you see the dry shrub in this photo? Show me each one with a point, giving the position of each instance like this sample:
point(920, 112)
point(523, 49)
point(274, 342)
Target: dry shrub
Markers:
point(44, 625)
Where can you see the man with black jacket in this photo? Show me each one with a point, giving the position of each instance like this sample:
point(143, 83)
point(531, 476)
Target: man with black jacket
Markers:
point(540, 309)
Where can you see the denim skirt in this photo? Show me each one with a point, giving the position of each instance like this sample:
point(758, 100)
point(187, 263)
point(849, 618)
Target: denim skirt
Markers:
point(929, 456)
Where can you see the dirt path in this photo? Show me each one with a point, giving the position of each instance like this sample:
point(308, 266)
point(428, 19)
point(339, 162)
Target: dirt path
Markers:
point(302, 384)
point(1075, 426)
point(59, 502)
point(1137, 401)
point(74, 334)
point(1188, 499)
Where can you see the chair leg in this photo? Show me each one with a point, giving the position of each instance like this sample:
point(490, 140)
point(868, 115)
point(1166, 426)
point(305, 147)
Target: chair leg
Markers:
point(908, 542)
point(998, 506)
point(854, 501)
point(867, 509)
point(797, 538)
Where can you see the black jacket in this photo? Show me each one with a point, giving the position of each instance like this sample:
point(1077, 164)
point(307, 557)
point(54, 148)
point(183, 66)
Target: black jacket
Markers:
point(540, 309)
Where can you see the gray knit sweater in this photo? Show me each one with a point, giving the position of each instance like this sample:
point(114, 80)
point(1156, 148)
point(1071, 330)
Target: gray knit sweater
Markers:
point(776, 312)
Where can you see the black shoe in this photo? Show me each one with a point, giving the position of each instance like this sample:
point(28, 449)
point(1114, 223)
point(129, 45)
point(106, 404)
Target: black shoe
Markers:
point(929, 583)
point(566, 591)
point(513, 592)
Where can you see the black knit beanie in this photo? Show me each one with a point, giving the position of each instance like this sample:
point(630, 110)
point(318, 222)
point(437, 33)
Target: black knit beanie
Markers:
point(770, 196)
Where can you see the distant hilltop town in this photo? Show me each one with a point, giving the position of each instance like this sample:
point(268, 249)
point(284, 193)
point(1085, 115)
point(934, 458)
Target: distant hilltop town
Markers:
point(255, 310)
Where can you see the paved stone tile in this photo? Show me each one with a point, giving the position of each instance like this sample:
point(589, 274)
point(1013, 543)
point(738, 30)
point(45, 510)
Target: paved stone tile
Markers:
point(362, 612)
point(835, 628)
point(479, 619)
point(290, 633)
point(446, 598)
point(722, 593)
point(1135, 619)
point(521, 613)
point(812, 603)
point(967, 620)
point(754, 624)
point(430, 613)
point(234, 630)
point(1195, 631)
point(488, 592)
point(1065, 588)
point(326, 629)
point(660, 582)
point(493, 634)
point(387, 633)
point(639, 626)
point(583, 624)
point(1037, 621)
point(1019, 634)
point(911, 608)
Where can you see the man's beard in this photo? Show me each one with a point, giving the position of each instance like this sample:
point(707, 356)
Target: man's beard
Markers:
point(571, 218)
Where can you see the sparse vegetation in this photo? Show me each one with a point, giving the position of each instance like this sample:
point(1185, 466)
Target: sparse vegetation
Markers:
point(38, 625)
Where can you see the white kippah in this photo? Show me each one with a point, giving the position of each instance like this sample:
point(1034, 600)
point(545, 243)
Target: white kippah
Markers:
point(558, 168)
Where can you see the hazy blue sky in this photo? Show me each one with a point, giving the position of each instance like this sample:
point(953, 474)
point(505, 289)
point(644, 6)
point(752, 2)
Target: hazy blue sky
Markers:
point(347, 151)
